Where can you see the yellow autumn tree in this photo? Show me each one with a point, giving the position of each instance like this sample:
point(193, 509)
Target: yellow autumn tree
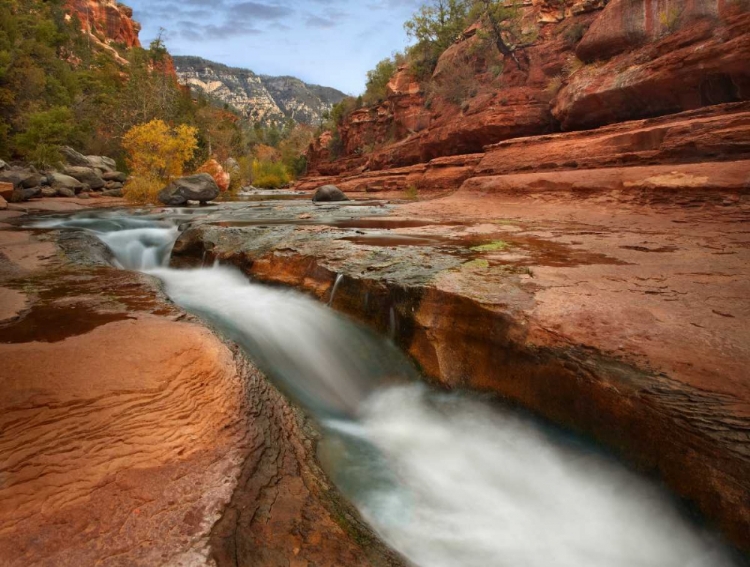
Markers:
point(156, 154)
point(156, 150)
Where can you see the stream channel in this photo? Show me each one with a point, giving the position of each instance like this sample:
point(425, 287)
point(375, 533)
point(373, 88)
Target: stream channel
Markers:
point(444, 478)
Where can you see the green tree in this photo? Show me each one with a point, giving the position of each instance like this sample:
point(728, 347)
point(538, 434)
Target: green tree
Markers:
point(45, 132)
point(502, 21)
point(435, 27)
point(377, 81)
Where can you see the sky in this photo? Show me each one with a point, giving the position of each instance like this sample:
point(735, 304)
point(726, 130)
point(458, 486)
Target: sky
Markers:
point(327, 42)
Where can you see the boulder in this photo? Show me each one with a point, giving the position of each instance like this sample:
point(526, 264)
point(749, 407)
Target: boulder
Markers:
point(65, 192)
point(22, 194)
point(59, 181)
point(6, 190)
point(112, 193)
point(86, 175)
point(3, 204)
point(111, 185)
point(232, 166)
point(118, 176)
point(200, 187)
point(22, 178)
point(107, 165)
point(329, 194)
point(49, 192)
point(3, 165)
point(74, 158)
point(214, 169)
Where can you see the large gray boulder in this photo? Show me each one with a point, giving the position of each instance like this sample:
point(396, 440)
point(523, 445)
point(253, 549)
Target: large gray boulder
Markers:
point(329, 194)
point(118, 176)
point(85, 175)
point(22, 194)
point(20, 178)
point(74, 158)
point(62, 181)
point(200, 187)
point(102, 162)
point(65, 192)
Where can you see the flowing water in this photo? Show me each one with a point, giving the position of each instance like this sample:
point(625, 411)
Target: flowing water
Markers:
point(446, 479)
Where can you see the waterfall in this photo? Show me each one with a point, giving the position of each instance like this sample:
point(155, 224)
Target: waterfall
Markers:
point(446, 479)
point(339, 279)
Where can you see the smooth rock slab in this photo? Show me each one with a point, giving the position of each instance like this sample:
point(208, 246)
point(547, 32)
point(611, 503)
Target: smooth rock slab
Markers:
point(200, 187)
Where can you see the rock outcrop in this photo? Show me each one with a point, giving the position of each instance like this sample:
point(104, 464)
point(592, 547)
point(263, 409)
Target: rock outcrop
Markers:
point(260, 98)
point(592, 64)
point(655, 70)
point(108, 20)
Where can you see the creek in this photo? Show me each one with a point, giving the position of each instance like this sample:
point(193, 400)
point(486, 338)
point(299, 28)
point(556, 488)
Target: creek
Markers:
point(444, 478)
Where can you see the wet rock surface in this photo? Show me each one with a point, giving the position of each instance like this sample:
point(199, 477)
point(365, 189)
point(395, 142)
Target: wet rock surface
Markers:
point(621, 320)
point(132, 435)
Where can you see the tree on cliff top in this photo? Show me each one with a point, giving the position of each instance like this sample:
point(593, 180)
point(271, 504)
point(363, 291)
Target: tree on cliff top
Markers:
point(502, 22)
point(435, 27)
point(439, 23)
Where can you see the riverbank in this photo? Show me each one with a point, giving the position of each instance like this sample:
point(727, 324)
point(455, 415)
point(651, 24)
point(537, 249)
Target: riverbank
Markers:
point(132, 435)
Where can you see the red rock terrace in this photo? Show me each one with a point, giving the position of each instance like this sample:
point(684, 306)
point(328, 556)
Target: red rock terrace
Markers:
point(524, 341)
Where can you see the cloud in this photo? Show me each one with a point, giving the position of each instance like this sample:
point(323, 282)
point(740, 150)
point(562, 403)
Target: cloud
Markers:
point(331, 42)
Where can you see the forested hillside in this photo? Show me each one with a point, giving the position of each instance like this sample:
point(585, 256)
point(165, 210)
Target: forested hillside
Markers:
point(60, 86)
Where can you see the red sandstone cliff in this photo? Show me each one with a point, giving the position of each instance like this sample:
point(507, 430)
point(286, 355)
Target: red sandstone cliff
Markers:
point(591, 65)
point(107, 19)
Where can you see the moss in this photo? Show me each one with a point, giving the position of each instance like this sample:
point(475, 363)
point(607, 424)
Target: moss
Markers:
point(494, 246)
point(476, 264)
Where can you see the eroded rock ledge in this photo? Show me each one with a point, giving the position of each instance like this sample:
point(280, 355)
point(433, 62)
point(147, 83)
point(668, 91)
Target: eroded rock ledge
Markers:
point(606, 320)
point(132, 435)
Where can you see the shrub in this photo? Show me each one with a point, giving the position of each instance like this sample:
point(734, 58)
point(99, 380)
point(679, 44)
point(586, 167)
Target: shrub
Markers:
point(554, 85)
point(270, 174)
point(574, 33)
point(573, 65)
point(670, 19)
point(456, 82)
point(143, 190)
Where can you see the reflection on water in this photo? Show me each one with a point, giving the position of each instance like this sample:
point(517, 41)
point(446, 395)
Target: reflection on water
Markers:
point(446, 479)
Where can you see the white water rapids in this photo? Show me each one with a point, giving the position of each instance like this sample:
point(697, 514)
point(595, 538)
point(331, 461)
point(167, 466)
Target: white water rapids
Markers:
point(446, 479)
